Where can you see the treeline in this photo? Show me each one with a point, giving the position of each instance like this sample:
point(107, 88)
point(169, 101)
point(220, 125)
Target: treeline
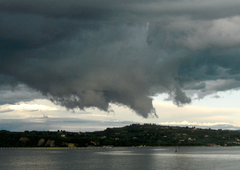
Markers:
point(132, 135)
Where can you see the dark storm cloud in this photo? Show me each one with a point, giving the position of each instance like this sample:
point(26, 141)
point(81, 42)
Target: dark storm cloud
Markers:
point(106, 9)
point(92, 53)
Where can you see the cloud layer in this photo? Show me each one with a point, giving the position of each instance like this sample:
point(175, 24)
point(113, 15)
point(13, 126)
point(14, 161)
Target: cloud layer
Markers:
point(92, 53)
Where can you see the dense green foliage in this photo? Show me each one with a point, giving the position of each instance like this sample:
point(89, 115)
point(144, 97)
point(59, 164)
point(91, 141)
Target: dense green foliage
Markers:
point(133, 135)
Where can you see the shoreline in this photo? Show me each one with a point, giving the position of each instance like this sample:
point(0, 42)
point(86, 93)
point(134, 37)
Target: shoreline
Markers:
point(112, 147)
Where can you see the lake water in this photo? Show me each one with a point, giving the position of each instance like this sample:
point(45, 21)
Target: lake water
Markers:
point(161, 158)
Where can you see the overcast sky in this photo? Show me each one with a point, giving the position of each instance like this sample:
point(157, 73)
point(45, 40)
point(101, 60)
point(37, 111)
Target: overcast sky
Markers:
point(87, 65)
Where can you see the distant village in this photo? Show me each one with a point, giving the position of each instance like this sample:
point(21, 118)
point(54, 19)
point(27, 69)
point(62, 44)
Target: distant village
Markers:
point(135, 135)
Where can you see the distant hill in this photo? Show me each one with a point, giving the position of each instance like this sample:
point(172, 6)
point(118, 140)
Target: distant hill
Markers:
point(132, 135)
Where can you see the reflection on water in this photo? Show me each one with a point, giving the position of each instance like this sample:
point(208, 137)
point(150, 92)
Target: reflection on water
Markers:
point(117, 152)
point(187, 158)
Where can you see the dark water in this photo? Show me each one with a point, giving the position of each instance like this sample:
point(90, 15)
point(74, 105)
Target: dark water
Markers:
point(187, 158)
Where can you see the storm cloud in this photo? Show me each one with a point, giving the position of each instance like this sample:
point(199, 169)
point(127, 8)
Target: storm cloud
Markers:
point(82, 54)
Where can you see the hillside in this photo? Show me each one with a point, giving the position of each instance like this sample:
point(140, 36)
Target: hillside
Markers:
point(132, 135)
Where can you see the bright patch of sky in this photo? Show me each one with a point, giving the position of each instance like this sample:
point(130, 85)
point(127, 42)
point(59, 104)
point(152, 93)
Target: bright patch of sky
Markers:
point(221, 112)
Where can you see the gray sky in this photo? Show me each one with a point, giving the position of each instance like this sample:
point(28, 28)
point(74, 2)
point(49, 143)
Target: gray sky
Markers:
point(111, 54)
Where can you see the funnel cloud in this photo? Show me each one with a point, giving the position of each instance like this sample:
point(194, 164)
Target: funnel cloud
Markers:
point(82, 54)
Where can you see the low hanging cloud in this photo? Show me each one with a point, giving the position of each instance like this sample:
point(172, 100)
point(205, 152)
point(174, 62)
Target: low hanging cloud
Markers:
point(11, 94)
point(90, 54)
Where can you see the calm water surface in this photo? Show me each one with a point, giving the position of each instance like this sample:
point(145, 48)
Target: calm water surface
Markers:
point(187, 158)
